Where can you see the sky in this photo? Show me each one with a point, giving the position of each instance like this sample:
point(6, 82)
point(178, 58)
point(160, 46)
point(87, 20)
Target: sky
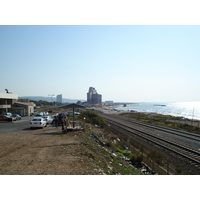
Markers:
point(144, 61)
point(124, 63)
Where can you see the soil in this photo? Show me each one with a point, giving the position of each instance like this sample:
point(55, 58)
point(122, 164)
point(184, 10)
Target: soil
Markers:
point(50, 152)
point(45, 151)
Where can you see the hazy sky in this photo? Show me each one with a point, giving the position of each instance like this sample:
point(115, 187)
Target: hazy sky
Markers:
point(124, 63)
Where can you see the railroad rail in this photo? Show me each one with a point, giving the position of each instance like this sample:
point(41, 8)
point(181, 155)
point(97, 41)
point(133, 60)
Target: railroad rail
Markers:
point(185, 134)
point(160, 136)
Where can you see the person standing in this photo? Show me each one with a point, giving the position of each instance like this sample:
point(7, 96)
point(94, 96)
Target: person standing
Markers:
point(56, 121)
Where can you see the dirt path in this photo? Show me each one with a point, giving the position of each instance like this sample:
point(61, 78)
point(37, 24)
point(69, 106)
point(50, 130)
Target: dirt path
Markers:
point(45, 151)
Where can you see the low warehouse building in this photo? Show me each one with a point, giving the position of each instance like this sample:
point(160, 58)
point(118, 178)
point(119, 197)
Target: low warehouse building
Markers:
point(9, 103)
point(23, 109)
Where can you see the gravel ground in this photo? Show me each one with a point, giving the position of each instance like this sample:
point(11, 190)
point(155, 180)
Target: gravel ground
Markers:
point(45, 151)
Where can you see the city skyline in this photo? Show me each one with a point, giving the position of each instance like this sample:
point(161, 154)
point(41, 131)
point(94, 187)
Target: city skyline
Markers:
point(125, 63)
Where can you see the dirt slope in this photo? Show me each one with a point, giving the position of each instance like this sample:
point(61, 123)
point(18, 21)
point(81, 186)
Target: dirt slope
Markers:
point(47, 152)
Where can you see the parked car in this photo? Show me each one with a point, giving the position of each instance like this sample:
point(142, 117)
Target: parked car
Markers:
point(39, 114)
point(13, 118)
point(71, 113)
point(48, 119)
point(5, 118)
point(52, 117)
point(38, 122)
point(16, 116)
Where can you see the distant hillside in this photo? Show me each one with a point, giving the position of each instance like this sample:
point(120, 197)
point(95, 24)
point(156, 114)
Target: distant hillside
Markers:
point(37, 98)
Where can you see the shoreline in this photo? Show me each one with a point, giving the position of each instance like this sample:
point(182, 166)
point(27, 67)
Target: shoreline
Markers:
point(163, 109)
point(113, 110)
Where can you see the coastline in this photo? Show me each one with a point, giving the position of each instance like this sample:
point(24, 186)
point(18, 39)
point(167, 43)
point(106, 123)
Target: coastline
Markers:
point(177, 119)
point(188, 110)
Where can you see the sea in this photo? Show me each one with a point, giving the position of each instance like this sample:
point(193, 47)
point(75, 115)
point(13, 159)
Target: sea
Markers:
point(189, 110)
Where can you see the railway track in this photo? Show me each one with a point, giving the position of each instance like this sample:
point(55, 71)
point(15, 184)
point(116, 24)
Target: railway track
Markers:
point(191, 136)
point(180, 143)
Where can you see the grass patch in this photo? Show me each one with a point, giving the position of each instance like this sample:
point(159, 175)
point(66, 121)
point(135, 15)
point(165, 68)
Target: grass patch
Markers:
point(110, 164)
point(92, 118)
point(133, 157)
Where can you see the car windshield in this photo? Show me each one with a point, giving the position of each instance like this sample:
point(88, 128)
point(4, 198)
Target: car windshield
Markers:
point(36, 119)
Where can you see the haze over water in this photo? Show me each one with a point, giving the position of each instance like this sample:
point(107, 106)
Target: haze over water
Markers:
point(189, 110)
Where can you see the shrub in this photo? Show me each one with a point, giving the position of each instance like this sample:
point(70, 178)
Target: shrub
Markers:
point(92, 118)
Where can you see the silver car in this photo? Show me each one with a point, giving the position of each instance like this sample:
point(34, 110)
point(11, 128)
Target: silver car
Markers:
point(48, 119)
point(38, 122)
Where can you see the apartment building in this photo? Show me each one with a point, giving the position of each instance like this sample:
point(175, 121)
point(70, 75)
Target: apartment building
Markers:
point(93, 97)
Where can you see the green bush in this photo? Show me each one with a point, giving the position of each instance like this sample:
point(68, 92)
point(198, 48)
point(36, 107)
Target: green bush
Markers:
point(93, 118)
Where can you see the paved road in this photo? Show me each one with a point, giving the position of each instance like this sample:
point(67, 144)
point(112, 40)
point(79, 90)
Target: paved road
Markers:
point(16, 126)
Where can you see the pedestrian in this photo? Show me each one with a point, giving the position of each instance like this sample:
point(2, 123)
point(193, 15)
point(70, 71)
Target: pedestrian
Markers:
point(56, 121)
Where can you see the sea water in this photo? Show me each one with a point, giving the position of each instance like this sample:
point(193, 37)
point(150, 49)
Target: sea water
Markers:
point(190, 110)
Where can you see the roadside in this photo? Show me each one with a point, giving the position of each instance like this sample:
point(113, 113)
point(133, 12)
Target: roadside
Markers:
point(47, 152)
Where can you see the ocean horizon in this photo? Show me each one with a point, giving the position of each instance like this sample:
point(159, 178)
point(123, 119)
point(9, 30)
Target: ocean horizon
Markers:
point(190, 110)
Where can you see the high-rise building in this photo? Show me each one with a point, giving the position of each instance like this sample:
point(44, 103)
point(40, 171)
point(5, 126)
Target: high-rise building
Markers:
point(93, 97)
point(59, 98)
